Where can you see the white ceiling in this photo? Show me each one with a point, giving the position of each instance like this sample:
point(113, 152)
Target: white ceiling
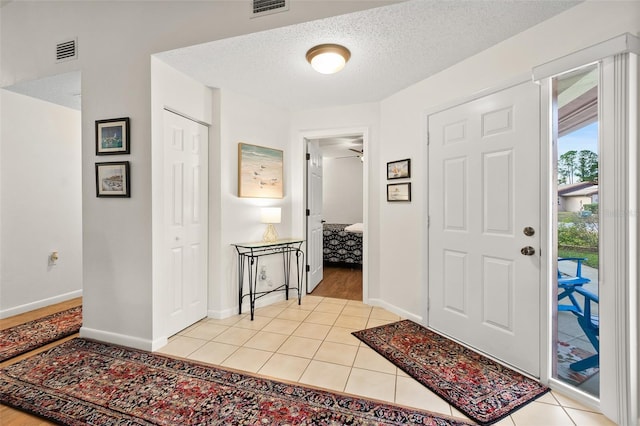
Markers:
point(392, 47)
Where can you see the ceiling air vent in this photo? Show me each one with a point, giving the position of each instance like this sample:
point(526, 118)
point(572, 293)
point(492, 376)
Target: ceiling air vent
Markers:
point(267, 7)
point(67, 50)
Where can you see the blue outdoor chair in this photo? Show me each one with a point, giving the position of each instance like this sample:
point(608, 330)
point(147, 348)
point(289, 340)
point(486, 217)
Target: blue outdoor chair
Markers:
point(590, 324)
point(567, 285)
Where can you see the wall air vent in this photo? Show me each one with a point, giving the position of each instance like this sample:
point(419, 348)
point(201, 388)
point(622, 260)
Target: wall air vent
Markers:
point(267, 7)
point(67, 50)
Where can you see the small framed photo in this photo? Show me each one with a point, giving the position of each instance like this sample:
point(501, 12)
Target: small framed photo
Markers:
point(112, 179)
point(112, 136)
point(399, 191)
point(399, 169)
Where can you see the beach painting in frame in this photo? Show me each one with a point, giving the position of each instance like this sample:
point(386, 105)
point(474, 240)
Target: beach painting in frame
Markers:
point(259, 172)
point(112, 136)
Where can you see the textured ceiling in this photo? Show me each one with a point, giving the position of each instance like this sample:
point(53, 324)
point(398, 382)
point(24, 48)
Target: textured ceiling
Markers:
point(391, 48)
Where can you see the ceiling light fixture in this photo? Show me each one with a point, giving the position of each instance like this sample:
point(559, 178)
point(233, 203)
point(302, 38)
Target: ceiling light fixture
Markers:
point(328, 58)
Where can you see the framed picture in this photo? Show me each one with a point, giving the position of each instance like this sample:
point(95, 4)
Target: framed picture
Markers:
point(399, 169)
point(259, 172)
point(399, 191)
point(112, 136)
point(112, 179)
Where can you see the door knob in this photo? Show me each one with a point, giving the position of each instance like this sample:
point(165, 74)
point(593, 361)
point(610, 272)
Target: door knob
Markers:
point(529, 231)
point(528, 251)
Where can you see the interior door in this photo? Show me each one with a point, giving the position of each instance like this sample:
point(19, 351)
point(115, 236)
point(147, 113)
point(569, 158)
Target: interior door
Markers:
point(186, 219)
point(314, 214)
point(484, 214)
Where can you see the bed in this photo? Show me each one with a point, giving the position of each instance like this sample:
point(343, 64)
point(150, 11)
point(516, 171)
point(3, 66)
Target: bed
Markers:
point(342, 245)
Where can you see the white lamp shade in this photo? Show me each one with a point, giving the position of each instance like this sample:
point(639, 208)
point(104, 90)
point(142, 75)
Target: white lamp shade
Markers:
point(271, 215)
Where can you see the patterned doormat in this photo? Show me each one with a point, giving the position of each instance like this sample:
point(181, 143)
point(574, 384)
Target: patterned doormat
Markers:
point(34, 334)
point(482, 389)
point(567, 355)
point(85, 382)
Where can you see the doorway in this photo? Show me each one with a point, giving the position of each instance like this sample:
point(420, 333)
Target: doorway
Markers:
point(335, 215)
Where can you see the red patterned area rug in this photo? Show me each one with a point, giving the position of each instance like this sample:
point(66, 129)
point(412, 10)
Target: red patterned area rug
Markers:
point(85, 382)
point(482, 389)
point(34, 334)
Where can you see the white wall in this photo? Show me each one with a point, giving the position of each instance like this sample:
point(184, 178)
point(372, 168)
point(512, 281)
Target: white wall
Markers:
point(40, 201)
point(247, 120)
point(115, 42)
point(404, 117)
point(342, 190)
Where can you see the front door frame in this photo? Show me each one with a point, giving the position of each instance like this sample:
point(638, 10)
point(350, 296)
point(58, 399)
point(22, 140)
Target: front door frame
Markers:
point(618, 112)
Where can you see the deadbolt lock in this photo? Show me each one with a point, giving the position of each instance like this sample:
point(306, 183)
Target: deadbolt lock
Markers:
point(529, 231)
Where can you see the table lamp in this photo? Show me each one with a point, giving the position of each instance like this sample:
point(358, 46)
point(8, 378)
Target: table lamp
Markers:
point(270, 215)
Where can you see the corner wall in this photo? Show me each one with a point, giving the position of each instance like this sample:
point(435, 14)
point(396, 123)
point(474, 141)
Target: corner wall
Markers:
point(41, 203)
point(342, 190)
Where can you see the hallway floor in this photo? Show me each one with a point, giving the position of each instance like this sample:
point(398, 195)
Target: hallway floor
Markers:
point(312, 344)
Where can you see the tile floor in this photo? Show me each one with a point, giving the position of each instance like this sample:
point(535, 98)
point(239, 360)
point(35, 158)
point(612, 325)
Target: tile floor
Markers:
point(312, 344)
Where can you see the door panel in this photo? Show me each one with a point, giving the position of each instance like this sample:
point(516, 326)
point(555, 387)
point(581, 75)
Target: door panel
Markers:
point(483, 190)
point(186, 188)
point(314, 219)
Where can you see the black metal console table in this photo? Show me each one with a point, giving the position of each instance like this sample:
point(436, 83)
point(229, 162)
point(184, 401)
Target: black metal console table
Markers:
point(250, 253)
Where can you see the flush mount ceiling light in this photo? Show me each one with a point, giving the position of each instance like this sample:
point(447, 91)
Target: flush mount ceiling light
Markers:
point(328, 58)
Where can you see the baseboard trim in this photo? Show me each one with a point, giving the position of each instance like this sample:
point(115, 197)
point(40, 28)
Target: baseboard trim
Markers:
point(16, 310)
point(400, 312)
point(121, 339)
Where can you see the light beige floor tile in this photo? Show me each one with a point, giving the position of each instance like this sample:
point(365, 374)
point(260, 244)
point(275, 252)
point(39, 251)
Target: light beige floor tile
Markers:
point(342, 335)
point(357, 311)
point(300, 346)
point(189, 329)
point(226, 321)
point(294, 314)
point(565, 401)
point(587, 418)
point(371, 384)
point(548, 398)
point(358, 303)
point(258, 322)
point(213, 353)
point(383, 314)
point(325, 318)
point(413, 394)
point(329, 307)
point(536, 414)
point(286, 367)
point(335, 301)
point(507, 421)
point(312, 331)
point(234, 336)
point(281, 326)
point(247, 359)
point(269, 311)
point(206, 331)
point(312, 299)
point(266, 341)
point(369, 359)
point(326, 375)
point(182, 346)
point(348, 321)
point(338, 353)
point(375, 322)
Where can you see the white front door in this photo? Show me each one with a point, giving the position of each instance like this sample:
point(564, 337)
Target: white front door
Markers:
point(314, 214)
point(186, 219)
point(484, 190)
